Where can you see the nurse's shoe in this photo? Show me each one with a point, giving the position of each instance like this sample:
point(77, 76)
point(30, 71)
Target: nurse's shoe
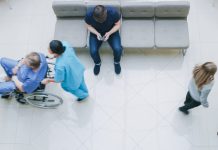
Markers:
point(81, 99)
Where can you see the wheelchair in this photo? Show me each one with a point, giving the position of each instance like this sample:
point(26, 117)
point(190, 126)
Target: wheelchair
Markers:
point(38, 98)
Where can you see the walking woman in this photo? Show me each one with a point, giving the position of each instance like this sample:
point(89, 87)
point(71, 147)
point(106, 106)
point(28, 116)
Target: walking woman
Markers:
point(199, 86)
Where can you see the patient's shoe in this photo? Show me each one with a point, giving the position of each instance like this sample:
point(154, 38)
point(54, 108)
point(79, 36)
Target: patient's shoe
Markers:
point(20, 99)
point(6, 95)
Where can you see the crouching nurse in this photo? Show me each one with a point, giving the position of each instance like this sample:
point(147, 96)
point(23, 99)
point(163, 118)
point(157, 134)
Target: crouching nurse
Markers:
point(69, 71)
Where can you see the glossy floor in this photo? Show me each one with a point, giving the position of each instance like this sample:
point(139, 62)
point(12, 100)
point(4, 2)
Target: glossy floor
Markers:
point(136, 110)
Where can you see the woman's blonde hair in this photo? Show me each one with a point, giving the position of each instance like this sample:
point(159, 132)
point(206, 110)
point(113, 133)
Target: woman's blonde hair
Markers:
point(204, 74)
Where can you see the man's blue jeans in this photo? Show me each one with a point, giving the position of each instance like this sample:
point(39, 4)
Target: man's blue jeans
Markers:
point(115, 43)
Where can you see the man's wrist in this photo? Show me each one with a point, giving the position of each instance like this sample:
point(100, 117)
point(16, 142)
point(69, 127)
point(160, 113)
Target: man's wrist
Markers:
point(109, 33)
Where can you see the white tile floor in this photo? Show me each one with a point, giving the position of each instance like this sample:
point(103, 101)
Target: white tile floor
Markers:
point(134, 111)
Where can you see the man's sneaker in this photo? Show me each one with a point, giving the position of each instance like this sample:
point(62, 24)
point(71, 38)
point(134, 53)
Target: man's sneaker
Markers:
point(186, 112)
point(97, 69)
point(117, 68)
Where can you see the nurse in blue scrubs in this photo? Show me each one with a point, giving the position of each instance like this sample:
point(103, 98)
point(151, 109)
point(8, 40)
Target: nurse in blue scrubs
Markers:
point(69, 71)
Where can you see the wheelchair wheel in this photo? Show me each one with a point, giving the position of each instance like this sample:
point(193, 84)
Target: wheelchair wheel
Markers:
point(44, 100)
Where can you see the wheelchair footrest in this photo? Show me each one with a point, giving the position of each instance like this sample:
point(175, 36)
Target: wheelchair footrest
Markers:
point(21, 101)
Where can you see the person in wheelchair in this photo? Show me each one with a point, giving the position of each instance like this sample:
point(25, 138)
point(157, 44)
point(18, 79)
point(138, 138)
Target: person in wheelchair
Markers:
point(24, 75)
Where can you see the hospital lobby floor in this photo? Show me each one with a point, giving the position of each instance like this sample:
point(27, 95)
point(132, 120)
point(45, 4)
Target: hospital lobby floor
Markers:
point(137, 110)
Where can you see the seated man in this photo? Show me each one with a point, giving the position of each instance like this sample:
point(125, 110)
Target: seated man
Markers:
point(103, 24)
point(24, 75)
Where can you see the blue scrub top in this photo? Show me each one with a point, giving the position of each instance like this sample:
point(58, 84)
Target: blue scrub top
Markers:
point(68, 69)
point(30, 79)
point(113, 16)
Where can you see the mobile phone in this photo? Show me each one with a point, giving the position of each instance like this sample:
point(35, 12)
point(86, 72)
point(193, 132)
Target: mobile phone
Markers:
point(102, 38)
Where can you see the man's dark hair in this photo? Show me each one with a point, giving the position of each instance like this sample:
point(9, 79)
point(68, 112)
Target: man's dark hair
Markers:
point(57, 47)
point(100, 13)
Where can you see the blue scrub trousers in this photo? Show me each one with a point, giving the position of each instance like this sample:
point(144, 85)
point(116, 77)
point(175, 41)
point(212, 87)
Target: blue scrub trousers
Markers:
point(81, 92)
point(7, 65)
point(6, 87)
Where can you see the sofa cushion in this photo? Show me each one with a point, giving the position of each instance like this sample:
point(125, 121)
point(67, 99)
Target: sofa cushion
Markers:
point(69, 8)
point(71, 30)
point(171, 34)
point(132, 9)
point(137, 34)
point(172, 9)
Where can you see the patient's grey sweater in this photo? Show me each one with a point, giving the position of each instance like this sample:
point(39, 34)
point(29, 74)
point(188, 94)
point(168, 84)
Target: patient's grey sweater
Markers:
point(200, 95)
